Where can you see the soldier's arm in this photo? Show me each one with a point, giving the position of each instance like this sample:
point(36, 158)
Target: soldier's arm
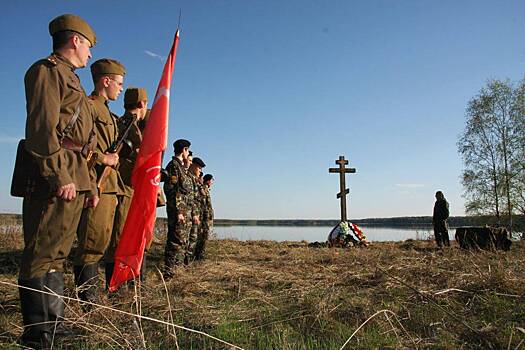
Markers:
point(209, 209)
point(195, 208)
point(168, 186)
point(178, 196)
point(44, 98)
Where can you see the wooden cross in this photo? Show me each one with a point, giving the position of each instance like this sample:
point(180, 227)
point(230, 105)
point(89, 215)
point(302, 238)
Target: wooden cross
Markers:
point(343, 190)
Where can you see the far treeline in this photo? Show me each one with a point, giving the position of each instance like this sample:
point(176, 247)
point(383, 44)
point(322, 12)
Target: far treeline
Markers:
point(401, 222)
point(493, 150)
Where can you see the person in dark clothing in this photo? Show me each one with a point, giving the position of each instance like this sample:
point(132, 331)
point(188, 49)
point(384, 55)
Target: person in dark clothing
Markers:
point(439, 219)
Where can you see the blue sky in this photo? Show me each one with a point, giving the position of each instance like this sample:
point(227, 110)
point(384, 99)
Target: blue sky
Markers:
point(271, 92)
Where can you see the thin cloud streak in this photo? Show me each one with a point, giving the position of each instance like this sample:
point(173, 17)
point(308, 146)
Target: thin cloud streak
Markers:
point(9, 139)
point(154, 55)
point(410, 185)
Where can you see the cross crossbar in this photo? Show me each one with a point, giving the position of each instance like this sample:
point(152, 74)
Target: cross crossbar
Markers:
point(338, 170)
point(342, 170)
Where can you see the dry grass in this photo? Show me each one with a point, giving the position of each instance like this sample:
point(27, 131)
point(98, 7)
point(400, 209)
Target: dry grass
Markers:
point(270, 295)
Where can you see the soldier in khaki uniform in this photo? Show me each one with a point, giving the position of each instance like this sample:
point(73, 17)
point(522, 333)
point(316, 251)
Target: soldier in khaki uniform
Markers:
point(135, 105)
point(194, 170)
point(177, 188)
point(96, 224)
point(53, 97)
point(206, 217)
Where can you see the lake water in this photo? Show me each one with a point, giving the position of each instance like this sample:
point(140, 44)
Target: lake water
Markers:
point(317, 233)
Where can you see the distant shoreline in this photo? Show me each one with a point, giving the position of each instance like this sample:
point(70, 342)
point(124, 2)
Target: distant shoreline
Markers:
point(401, 222)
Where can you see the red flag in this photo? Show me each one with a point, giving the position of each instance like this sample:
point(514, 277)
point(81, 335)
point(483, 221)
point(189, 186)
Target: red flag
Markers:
point(138, 229)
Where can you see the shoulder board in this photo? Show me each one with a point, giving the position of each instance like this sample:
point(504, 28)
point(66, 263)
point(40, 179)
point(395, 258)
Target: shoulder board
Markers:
point(52, 59)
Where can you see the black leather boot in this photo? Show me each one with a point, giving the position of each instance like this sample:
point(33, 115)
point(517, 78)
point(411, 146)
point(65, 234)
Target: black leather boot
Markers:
point(86, 280)
point(108, 267)
point(34, 307)
point(142, 276)
point(54, 282)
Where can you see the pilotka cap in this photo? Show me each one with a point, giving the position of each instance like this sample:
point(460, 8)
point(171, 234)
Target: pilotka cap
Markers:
point(73, 23)
point(134, 95)
point(107, 66)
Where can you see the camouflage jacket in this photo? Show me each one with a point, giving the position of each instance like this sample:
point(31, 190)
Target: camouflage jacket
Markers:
point(206, 207)
point(195, 196)
point(178, 187)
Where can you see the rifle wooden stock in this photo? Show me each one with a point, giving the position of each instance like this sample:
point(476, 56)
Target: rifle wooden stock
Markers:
point(106, 172)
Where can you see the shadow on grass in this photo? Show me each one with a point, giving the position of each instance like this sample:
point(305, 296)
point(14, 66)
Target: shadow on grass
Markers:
point(10, 262)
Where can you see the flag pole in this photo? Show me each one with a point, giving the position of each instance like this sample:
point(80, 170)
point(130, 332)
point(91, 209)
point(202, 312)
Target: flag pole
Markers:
point(176, 33)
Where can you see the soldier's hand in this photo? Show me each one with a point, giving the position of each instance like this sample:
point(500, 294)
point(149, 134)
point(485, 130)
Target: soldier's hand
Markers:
point(180, 218)
point(196, 220)
point(67, 192)
point(110, 159)
point(91, 201)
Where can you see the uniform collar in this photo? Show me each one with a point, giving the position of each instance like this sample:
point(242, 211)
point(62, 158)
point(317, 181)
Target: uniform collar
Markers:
point(179, 161)
point(99, 98)
point(63, 60)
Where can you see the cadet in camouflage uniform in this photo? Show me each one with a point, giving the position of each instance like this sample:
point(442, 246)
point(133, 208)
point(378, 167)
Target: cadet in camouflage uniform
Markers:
point(135, 105)
point(53, 95)
point(96, 224)
point(195, 197)
point(206, 217)
point(177, 188)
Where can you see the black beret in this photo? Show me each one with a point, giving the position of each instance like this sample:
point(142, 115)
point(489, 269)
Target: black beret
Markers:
point(180, 144)
point(207, 177)
point(199, 162)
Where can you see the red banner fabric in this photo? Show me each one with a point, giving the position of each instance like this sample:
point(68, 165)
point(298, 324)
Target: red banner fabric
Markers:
point(138, 229)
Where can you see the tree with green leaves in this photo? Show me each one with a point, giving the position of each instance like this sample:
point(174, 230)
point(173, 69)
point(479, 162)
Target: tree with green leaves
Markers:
point(492, 147)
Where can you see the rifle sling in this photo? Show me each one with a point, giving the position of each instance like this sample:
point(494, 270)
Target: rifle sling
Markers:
point(71, 122)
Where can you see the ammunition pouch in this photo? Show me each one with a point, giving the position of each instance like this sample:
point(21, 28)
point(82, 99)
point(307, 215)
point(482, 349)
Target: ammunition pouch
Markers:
point(27, 180)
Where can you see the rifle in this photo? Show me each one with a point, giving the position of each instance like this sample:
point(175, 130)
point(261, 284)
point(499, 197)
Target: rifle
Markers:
point(125, 125)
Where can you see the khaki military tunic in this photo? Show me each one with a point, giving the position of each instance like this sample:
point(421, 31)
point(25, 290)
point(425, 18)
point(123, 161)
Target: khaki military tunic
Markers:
point(53, 92)
point(96, 224)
